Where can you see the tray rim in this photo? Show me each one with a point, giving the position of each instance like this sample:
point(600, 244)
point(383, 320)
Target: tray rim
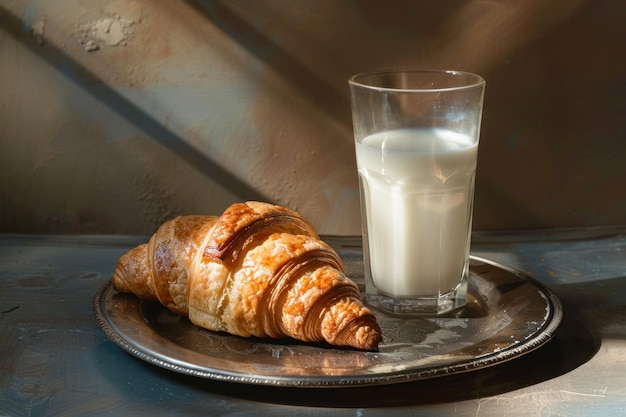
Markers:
point(554, 317)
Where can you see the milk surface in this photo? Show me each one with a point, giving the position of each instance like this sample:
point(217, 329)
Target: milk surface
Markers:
point(417, 185)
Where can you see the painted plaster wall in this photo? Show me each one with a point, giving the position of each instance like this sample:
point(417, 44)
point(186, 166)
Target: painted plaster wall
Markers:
point(117, 115)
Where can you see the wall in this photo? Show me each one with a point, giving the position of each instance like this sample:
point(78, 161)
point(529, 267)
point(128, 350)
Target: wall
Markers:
point(117, 115)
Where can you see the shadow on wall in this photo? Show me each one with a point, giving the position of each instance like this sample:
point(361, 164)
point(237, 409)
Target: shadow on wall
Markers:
point(305, 81)
point(96, 87)
point(199, 144)
point(554, 82)
point(555, 89)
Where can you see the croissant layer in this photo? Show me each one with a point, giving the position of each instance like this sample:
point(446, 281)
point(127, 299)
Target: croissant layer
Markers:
point(256, 270)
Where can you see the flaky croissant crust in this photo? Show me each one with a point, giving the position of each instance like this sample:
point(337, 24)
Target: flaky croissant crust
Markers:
point(257, 270)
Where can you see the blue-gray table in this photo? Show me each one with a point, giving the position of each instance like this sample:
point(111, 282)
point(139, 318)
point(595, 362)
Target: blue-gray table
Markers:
point(55, 360)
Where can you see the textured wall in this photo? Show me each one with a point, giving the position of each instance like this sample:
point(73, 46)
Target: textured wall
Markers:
point(117, 115)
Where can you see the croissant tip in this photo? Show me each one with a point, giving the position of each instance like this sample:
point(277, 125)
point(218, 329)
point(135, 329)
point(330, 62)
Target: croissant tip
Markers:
point(366, 337)
point(117, 279)
point(372, 341)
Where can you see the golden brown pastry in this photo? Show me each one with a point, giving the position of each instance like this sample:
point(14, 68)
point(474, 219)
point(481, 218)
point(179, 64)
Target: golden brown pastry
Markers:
point(257, 270)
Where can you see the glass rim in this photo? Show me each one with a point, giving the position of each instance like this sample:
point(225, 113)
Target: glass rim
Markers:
point(477, 80)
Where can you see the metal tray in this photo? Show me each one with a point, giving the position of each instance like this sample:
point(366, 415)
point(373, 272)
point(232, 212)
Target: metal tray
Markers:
point(507, 315)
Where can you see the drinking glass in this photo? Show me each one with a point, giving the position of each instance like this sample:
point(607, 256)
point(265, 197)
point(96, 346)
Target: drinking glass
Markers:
point(416, 140)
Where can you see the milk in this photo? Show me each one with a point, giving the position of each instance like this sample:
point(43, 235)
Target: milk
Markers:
point(417, 186)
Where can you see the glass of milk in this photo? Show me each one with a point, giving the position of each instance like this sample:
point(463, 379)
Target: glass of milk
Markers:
point(416, 139)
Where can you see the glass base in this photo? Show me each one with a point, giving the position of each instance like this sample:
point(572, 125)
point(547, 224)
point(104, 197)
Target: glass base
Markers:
point(426, 305)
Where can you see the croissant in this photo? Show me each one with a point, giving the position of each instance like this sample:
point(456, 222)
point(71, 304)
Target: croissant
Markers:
point(256, 270)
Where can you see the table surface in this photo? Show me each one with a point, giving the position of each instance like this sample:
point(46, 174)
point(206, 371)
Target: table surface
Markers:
point(55, 360)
